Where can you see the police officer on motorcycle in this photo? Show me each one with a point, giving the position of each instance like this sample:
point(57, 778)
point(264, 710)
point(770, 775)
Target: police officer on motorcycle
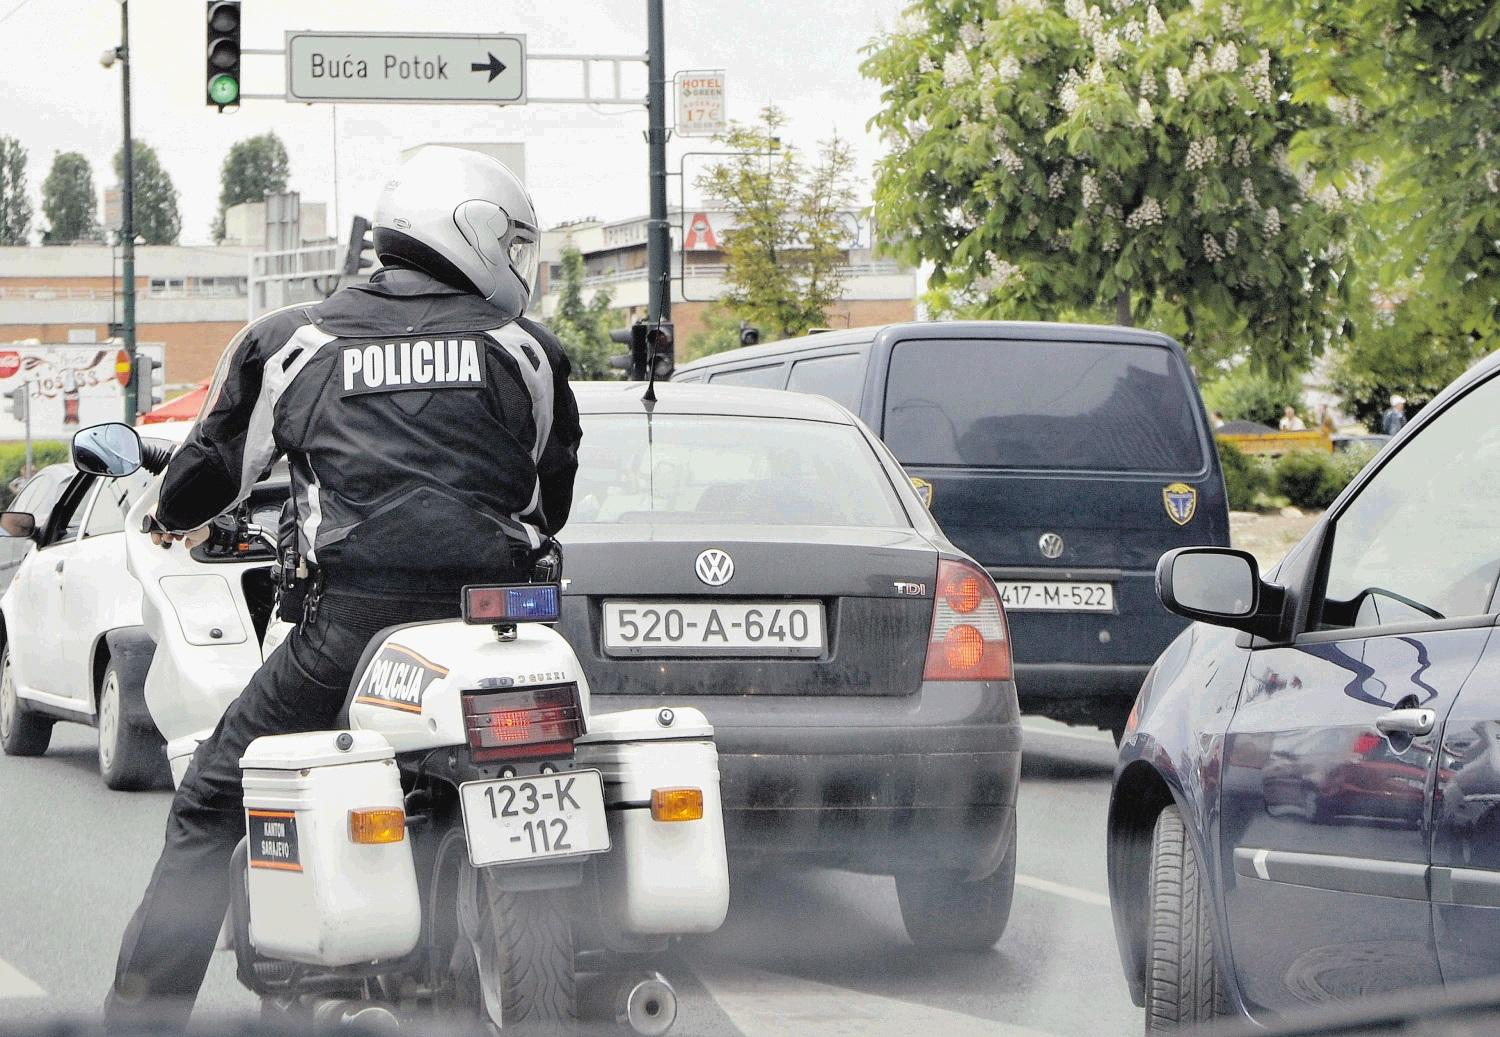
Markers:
point(432, 442)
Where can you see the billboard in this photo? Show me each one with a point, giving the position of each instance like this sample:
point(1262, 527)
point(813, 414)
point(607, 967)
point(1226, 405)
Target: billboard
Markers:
point(68, 387)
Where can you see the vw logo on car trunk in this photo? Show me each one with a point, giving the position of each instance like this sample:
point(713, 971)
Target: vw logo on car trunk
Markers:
point(714, 567)
point(1051, 545)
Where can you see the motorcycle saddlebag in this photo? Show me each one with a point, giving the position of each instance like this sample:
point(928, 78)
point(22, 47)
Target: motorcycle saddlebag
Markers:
point(660, 877)
point(317, 896)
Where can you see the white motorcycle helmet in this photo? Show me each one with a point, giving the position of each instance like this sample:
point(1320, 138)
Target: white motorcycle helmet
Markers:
point(465, 219)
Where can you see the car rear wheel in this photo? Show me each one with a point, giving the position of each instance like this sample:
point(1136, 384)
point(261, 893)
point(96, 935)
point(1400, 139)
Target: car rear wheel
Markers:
point(21, 733)
point(944, 912)
point(1184, 988)
point(129, 759)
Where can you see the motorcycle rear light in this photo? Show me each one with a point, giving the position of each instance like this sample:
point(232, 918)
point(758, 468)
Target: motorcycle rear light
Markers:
point(523, 724)
point(512, 603)
point(377, 825)
point(969, 639)
point(676, 804)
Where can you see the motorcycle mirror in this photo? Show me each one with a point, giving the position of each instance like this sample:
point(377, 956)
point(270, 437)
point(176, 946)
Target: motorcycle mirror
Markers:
point(112, 450)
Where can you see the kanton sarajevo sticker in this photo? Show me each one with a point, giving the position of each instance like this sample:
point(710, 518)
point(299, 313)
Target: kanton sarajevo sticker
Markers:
point(397, 678)
point(273, 840)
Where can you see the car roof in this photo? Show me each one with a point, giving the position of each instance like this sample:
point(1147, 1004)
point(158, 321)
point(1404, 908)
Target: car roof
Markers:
point(171, 431)
point(690, 398)
point(1045, 331)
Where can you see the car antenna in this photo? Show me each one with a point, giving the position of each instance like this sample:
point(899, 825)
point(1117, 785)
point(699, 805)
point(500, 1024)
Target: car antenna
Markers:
point(650, 396)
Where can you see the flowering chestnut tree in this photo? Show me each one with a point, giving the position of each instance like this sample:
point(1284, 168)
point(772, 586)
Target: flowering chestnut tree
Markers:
point(1052, 157)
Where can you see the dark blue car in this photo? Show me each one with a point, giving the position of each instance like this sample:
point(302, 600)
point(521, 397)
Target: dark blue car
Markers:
point(1064, 458)
point(1307, 803)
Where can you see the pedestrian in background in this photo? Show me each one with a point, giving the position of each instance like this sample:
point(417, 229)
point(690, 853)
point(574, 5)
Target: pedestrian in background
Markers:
point(1325, 419)
point(1394, 420)
point(1290, 422)
point(1218, 419)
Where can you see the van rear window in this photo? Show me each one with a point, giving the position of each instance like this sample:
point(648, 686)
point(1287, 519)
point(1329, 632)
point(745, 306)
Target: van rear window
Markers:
point(1062, 405)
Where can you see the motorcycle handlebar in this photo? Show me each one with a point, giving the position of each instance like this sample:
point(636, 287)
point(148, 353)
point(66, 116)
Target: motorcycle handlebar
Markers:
point(154, 457)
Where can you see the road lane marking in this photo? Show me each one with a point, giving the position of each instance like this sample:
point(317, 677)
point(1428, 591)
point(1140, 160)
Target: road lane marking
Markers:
point(1083, 896)
point(1097, 737)
point(15, 984)
point(770, 1004)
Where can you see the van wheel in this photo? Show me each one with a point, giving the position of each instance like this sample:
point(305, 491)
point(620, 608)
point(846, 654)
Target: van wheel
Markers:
point(129, 759)
point(21, 733)
point(943, 912)
point(1184, 987)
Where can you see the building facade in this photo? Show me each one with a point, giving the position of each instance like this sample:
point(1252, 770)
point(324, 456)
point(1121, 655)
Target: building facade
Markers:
point(876, 291)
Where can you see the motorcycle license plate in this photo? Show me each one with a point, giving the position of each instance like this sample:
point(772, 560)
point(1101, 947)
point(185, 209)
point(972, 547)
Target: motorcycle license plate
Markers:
point(534, 817)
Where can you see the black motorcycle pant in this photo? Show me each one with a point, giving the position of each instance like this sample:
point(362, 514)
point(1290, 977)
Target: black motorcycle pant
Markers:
point(302, 686)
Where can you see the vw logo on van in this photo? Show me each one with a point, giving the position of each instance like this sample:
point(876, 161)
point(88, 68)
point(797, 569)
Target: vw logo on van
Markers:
point(714, 567)
point(1051, 545)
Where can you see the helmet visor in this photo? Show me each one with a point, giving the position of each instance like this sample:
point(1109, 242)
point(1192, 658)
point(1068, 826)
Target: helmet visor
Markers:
point(524, 254)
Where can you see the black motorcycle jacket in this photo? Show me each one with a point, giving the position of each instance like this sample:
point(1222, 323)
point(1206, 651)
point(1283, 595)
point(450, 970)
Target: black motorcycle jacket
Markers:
point(429, 440)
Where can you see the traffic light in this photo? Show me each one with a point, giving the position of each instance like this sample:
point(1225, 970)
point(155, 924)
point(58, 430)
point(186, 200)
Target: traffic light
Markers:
point(749, 334)
point(661, 349)
point(20, 400)
point(360, 243)
point(634, 362)
point(148, 387)
point(223, 53)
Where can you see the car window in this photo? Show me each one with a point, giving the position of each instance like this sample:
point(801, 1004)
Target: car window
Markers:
point(1422, 538)
point(719, 469)
point(836, 377)
point(767, 376)
point(114, 499)
point(70, 511)
point(39, 496)
point(1057, 405)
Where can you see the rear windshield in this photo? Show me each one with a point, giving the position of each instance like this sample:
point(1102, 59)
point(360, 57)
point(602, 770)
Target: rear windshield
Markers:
point(1064, 405)
point(716, 469)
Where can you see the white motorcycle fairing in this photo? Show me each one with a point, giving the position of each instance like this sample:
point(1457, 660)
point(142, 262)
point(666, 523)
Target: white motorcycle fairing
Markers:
point(206, 644)
point(411, 682)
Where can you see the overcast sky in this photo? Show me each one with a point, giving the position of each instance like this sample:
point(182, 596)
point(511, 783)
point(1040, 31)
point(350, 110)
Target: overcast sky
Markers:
point(581, 161)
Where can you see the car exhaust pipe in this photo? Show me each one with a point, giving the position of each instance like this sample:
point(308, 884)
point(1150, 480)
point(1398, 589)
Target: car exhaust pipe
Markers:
point(647, 1004)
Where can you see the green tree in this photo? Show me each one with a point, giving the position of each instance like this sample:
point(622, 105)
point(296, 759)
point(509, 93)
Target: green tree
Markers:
point(254, 167)
point(68, 200)
point(15, 206)
point(1050, 155)
point(1413, 347)
point(1246, 394)
point(1415, 88)
point(156, 215)
point(582, 327)
point(785, 256)
point(720, 331)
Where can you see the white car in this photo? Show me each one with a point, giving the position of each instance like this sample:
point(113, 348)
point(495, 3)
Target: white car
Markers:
point(72, 646)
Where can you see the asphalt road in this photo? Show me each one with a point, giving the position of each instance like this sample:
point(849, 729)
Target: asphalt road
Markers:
point(816, 954)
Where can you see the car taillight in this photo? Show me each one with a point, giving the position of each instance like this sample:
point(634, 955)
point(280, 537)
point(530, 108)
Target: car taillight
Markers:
point(523, 724)
point(969, 640)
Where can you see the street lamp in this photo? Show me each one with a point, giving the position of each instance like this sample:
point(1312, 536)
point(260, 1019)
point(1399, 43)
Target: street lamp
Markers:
point(127, 201)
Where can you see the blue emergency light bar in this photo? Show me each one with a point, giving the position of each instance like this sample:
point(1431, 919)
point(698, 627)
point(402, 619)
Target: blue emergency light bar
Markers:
point(513, 603)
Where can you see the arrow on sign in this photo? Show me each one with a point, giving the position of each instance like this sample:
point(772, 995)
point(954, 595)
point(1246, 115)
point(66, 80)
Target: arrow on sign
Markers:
point(494, 67)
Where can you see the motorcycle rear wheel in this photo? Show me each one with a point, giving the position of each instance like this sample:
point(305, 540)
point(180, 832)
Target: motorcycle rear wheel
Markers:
point(512, 963)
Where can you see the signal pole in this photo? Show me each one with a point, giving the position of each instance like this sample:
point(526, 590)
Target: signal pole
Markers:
point(127, 212)
point(658, 234)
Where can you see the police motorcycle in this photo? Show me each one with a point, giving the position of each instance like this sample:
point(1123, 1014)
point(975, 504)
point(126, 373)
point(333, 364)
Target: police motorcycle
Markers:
point(477, 845)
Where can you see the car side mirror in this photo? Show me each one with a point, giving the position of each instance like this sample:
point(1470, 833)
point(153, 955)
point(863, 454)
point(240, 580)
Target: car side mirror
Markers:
point(1220, 586)
point(112, 450)
point(17, 524)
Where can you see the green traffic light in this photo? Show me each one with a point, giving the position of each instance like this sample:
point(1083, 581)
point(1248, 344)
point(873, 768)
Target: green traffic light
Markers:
point(223, 89)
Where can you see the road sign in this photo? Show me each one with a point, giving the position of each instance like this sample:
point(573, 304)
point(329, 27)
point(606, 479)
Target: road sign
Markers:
point(700, 103)
point(405, 68)
point(123, 369)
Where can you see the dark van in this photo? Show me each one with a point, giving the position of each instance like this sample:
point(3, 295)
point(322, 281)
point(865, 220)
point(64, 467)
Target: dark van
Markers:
point(1065, 458)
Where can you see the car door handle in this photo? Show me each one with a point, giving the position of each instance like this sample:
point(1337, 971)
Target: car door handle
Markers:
point(1410, 722)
